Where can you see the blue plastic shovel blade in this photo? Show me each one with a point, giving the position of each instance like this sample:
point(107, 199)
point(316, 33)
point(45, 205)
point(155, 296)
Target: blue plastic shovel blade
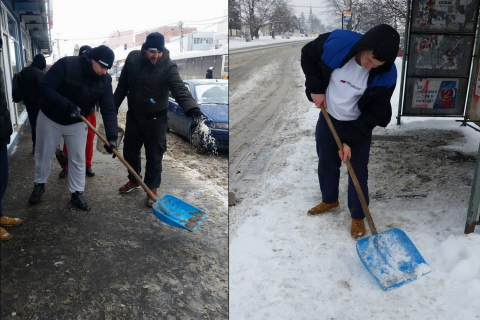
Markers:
point(392, 258)
point(178, 213)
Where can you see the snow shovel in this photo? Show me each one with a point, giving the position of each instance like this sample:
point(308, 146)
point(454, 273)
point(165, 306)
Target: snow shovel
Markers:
point(390, 256)
point(168, 209)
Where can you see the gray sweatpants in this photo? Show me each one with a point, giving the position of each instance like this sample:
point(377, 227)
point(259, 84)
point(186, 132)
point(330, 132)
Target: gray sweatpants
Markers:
point(48, 137)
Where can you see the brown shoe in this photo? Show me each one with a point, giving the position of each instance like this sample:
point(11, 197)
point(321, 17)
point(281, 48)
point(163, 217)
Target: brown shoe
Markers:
point(4, 235)
point(358, 229)
point(322, 208)
point(8, 222)
point(129, 186)
point(150, 201)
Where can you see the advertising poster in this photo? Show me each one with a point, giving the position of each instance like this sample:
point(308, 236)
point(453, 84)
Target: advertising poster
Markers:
point(438, 51)
point(435, 93)
point(474, 112)
point(444, 15)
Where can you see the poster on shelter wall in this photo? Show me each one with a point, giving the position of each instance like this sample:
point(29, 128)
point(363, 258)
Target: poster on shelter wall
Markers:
point(435, 93)
point(440, 55)
point(474, 108)
point(444, 15)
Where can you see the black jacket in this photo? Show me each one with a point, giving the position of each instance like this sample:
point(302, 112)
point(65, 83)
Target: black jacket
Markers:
point(147, 86)
point(32, 76)
point(6, 129)
point(332, 50)
point(72, 81)
point(209, 74)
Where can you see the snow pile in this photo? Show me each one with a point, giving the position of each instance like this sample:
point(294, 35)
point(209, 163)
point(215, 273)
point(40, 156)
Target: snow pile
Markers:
point(459, 266)
point(234, 43)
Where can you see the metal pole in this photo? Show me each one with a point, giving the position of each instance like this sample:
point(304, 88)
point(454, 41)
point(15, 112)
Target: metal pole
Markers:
point(473, 79)
point(342, 20)
point(404, 58)
point(474, 200)
point(180, 24)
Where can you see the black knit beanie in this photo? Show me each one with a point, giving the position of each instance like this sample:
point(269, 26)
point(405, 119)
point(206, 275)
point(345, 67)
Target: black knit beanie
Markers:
point(83, 49)
point(154, 41)
point(103, 55)
point(39, 61)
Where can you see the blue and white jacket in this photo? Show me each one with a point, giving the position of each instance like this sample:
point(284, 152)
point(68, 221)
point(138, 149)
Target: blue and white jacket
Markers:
point(332, 50)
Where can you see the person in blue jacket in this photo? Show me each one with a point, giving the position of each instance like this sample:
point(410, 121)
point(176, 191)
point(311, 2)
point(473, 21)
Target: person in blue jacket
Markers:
point(353, 76)
point(70, 89)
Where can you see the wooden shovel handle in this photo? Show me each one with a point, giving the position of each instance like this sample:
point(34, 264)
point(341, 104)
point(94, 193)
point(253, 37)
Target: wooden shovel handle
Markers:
point(371, 225)
point(130, 169)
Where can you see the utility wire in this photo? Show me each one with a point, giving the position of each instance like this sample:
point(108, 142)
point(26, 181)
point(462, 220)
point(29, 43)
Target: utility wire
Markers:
point(138, 32)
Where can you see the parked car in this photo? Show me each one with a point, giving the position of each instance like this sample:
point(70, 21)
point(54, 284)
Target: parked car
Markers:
point(212, 98)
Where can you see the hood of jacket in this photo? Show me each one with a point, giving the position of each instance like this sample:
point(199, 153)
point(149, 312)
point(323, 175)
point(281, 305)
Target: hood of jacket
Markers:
point(383, 39)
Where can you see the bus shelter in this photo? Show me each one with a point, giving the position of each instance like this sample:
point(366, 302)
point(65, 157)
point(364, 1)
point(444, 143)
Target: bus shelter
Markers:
point(440, 70)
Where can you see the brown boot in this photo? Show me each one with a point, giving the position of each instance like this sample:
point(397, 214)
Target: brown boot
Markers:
point(4, 235)
point(8, 222)
point(358, 229)
point(322, 208)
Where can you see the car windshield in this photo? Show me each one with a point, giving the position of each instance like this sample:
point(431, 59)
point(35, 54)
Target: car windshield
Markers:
point(212, 93)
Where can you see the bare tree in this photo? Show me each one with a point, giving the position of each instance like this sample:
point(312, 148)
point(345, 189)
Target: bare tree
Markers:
point(368, 13)
point(233, 16)
point(282, 17)
point(256, 14)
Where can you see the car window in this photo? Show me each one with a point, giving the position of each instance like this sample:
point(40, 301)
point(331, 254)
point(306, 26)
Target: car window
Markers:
point(212, 93)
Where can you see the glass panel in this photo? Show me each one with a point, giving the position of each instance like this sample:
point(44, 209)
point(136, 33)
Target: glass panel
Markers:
point(14, 58)
point(12, 27)
point(3, 17)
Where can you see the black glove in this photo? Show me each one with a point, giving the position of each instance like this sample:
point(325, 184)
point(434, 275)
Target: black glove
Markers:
point(195, 113)
point(113, 144)
point(75, 111)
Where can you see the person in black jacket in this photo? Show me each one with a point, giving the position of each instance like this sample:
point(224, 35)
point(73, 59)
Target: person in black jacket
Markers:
point(32, 76)
point(209, 74)
point(89, 147)
point(146, 79)
point(70, 89)
point(353, 76)
point(6, 131)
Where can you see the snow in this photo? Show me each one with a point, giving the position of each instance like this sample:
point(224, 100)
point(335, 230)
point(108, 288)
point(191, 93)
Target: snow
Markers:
point(236, 43)
point(287, 265)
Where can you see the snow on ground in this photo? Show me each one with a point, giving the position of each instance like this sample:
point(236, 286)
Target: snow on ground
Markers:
point(235, 43)
point(287, 265)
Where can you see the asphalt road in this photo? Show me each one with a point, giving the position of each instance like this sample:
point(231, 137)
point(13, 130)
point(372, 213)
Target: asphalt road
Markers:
point(262, 82)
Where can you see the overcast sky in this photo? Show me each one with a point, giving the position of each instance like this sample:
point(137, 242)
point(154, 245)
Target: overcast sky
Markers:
point(78, 20)
point(319, 8)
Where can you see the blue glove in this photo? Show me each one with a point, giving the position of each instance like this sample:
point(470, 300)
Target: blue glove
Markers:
point(75, 111)
point(113, 144)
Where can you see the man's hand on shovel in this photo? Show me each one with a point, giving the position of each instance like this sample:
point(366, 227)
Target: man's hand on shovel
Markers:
point(319, 99)
point(346, 153)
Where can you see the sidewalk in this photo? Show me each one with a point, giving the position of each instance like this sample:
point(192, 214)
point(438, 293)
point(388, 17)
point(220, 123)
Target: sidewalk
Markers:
point(117, 261)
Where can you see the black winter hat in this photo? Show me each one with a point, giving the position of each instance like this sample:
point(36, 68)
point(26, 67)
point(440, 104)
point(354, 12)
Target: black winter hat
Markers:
point(103, 55)
point(40, 61)
point(83, 49)
point(155, 41)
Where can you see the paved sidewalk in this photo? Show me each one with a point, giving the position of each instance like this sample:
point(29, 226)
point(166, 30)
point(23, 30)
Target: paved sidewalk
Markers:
point(117, 261)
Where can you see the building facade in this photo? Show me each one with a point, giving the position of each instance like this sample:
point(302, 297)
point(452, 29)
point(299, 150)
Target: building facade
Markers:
point(25, 31)
point(167, 31)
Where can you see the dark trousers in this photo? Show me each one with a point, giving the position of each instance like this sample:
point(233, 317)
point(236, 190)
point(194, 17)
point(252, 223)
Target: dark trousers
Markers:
point(153, 134)
point(33, 110)
point(3, 175)
point(329, 163)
